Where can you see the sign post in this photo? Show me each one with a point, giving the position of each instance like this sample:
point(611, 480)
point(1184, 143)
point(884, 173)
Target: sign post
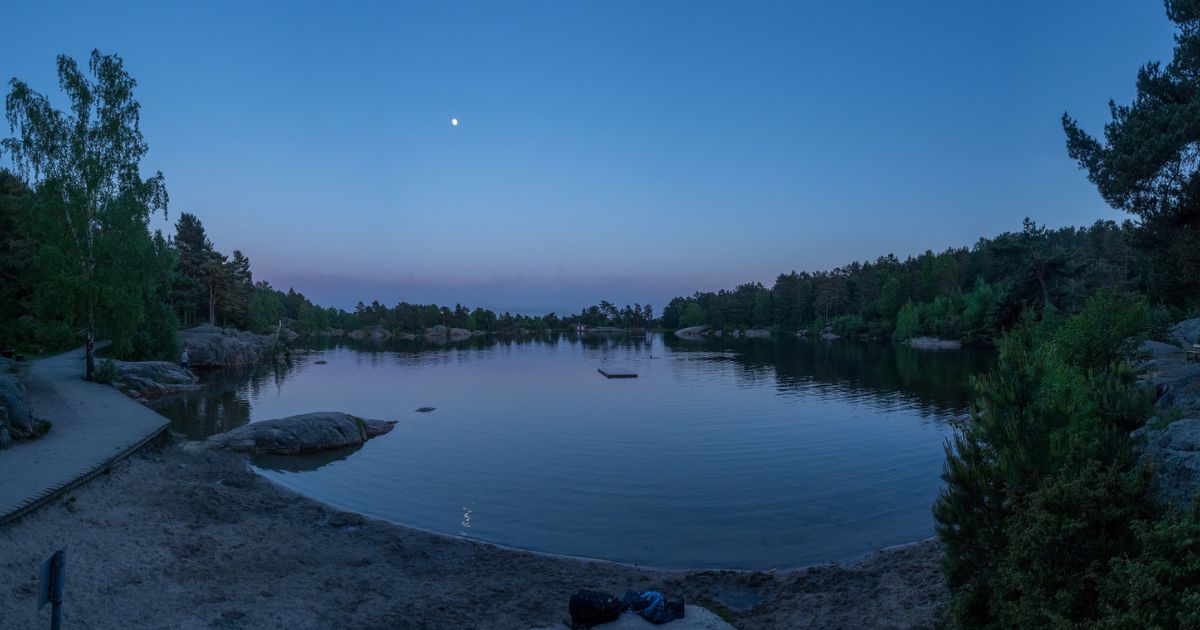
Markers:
point(50, 586)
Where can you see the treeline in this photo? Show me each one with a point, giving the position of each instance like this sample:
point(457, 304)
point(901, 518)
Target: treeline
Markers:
point(965, 293)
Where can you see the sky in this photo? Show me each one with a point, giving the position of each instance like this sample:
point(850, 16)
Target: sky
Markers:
point(628, 151)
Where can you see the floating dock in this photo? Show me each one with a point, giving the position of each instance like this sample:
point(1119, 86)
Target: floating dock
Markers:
point(617, 374)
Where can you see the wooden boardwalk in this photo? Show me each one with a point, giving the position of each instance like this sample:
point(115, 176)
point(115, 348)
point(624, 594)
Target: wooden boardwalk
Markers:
point(94, 425)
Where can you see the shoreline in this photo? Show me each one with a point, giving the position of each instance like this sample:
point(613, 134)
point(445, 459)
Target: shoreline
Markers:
point(220, 545)
point(566, 556)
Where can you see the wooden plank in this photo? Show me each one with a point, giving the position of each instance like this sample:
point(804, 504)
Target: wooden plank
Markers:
point(617, 374)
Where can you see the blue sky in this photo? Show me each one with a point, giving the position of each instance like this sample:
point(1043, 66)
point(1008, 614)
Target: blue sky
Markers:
point(630, 151)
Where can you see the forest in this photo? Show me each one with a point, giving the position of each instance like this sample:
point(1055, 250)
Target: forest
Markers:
point(972, 294)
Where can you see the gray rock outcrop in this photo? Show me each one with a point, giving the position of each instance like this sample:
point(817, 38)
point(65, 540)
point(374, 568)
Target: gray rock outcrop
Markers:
point(1158, 350)
point(441, 332)
point(151, 379)
point(934, 343)
point(1178, 386)
point(305, 433)
point(1175, 454)
point(1186, 332)
point(693, 332)
point(16, 423)
point(212, 346)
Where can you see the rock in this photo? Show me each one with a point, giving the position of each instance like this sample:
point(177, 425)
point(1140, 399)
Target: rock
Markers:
point(425, 409)
point(151, 379)
point(693, 332)
point(212, 346)
point(1186, 332)
point(320, 362)
point(305, 433)
point(7, 366)
point(290, 334)
point(372, 333)
point(934, 343)
point(1175, 453)
point(441, 332)
point(758, 333)
point(16, 423)
point(1159, 350)
point(1177, 385)
point(605, 330)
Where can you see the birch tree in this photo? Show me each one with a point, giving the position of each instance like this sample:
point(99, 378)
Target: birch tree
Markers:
point(89, 156)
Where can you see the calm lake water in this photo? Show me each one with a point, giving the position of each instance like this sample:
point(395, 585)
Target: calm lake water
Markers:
point(747, 454)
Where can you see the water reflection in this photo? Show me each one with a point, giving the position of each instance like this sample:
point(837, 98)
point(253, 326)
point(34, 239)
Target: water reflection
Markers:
point(881, 374)
point(307, 462)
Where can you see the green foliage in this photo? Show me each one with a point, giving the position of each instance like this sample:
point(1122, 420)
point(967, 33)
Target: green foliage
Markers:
point(692, 315)
point(908, 323)
point(1042, 494)
point(969, 294)
point(106, 372)
point(16, 261)
point(92, 206)
point(1157, 586)
point(1106, 330)
point(849, 326)
point(1146, 164)
point(1060, 544)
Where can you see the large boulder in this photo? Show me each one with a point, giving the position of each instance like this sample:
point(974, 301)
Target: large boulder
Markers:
point(1174, 452)
point(305, 433)
point(1177, 384)
point(212, 346)
point(151, 379)
point(693, 332)
point(16, 423)
point(1186, 332)
point(1158, 350)
point(934, 343)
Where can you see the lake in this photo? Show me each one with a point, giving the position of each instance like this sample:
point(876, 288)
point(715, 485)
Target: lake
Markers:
point(742, 454)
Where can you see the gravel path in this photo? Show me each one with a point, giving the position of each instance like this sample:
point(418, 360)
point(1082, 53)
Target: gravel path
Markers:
point(93, 425)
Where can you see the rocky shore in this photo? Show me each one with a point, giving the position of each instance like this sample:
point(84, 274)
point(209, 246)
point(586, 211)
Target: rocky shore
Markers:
point(218, 546)
point(211, 346)
point(1171, 440)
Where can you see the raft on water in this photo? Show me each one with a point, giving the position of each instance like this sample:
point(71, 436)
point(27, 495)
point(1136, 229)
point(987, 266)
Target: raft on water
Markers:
point(617, 374)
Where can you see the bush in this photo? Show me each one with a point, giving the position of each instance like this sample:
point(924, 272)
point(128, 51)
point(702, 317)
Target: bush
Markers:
point(849, 326)
point(1041, 492)
point(908, 323)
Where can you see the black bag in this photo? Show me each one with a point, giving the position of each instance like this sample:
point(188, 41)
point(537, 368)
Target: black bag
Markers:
point(590, 608)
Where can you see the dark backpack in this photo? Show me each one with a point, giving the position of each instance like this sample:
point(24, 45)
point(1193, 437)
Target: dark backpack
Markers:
point(653, 606)
point(590, 608)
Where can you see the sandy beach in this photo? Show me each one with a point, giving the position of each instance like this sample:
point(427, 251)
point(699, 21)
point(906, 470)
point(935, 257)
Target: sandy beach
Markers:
point(174, 538)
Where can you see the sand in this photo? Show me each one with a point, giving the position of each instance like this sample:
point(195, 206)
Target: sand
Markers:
point(181, 539)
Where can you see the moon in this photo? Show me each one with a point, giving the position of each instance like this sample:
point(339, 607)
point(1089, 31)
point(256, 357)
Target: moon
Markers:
point(453, 122)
